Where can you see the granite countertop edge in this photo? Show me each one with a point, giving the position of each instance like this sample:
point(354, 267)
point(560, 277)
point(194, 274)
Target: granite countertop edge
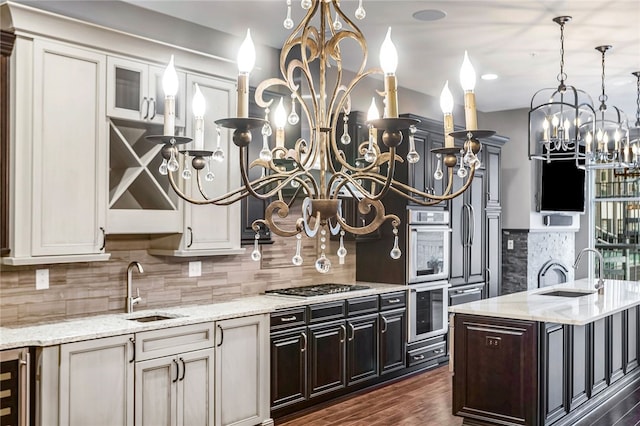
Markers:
point(117, 324)
point(533, 305)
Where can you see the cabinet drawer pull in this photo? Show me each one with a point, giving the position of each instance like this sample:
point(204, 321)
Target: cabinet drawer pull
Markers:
point(384, 325)
point(438, 351)
point(133, 344)
point(396, 300)
point(304, 338)
point(418, 357)
point(353, 332)
point(153, 102)
point(344, 333)
point(288, 319)
point(190, 236)
point(173, 361)
point(184, 369)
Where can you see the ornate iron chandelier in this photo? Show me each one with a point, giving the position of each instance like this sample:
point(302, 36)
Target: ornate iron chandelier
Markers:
point(560, 118)
point(318, 167)
point(631, 164)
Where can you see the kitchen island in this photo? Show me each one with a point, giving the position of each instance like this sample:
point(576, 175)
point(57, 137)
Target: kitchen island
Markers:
point(547, 356)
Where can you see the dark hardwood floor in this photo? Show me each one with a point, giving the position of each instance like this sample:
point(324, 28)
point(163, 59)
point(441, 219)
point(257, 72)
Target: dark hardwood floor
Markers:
point(424, 400)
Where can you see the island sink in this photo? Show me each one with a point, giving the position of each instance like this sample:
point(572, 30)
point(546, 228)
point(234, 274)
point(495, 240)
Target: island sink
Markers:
point(565, 293)
point(152, 318)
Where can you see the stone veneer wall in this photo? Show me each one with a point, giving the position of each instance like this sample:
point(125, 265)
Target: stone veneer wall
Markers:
point(83, 289)
point(514, 261)
point(531, 250)
point(544, 246)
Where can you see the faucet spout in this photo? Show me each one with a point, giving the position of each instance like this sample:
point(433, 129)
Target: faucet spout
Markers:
point(132, 300)
point(600, 284)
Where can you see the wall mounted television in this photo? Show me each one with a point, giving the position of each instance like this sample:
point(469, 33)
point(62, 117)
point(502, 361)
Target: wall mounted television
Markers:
point(561, 187)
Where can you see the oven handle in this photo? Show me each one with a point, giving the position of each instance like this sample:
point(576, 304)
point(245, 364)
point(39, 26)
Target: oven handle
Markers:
point(468, 291)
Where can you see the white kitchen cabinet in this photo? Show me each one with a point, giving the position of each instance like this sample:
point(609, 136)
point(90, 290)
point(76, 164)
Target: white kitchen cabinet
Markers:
point(208, 229)
point(175, 376)
point(96, 382)
point(135, 91)
point(58, 146)
point(175, 390)
point(242, 371)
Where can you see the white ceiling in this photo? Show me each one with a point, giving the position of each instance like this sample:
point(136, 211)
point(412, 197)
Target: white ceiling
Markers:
point(515, 39)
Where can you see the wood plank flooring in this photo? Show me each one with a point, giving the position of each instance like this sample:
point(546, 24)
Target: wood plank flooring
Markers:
point(421, 400)
point(425, 400)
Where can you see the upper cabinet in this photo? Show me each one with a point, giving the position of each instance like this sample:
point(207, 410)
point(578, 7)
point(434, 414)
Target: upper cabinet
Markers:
point(135, 91)
point(208, 229)
point(58, 141)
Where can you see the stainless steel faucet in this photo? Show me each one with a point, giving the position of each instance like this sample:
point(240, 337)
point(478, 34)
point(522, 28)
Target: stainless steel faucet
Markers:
point(600, 284)
point(131, 300)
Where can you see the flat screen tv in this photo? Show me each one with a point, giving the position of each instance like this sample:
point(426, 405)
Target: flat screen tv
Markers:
point(562, 187)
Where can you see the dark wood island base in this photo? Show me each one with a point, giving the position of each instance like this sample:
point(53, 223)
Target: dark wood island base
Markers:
point(520, 372)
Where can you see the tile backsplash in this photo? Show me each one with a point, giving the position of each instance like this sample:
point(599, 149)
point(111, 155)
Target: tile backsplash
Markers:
point(82, 289)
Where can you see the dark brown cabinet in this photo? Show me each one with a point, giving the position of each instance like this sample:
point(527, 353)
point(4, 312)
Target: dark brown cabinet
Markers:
point(288, 367)
point(324, 350)
point(362, 348)
point(501, 365)
point(393, 337)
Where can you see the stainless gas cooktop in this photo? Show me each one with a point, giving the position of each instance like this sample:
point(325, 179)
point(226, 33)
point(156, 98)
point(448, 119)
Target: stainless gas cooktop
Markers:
point(317, 290)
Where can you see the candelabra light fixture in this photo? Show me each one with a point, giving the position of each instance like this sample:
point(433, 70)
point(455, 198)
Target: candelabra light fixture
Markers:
point(608, 147)
point(560, 118)
point(317, 166)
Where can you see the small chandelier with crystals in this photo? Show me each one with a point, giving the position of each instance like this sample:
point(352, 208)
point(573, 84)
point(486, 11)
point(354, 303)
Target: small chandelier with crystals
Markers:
point(560, 118)
point(318, 167)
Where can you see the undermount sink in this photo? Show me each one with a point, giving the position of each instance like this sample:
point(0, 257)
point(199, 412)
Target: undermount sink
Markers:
point(152, 318)
point(566, 293)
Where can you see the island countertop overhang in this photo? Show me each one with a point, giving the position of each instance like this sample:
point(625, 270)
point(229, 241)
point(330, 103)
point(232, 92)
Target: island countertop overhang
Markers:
point(533, 305)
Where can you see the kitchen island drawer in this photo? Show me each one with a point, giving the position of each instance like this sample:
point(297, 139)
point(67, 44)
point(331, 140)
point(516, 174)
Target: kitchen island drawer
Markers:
point(173, 340)
point(288, 318)
point(393, 300)
point(425, 354)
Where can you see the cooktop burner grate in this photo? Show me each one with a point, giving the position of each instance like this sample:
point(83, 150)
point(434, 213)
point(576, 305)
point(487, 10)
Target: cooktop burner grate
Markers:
point(317, 290)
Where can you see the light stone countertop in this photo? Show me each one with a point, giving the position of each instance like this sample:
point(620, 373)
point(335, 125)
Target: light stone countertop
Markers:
point(534, 306)
point(98, 326)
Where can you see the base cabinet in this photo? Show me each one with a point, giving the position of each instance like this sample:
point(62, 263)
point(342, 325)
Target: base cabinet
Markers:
point(289, 367)
point(96, 380)
point(569, 369)
point(393, 338)
point(242, 362)
point(326, 358)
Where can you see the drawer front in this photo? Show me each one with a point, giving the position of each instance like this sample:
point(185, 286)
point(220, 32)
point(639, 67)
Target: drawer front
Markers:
point(174, 340)
point(393, 300)
point(288, 318)
point(326, 311)
point(362, 305)
point(426, 354)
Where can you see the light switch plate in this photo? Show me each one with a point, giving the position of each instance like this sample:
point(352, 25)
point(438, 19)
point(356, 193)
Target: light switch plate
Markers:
point(509, 244)
point(42, 279)
point(195, 269)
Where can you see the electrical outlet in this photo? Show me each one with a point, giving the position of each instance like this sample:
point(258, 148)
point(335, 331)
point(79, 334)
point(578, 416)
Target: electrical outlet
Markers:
point(42, 279)
point(195, 269)
point(509, 244)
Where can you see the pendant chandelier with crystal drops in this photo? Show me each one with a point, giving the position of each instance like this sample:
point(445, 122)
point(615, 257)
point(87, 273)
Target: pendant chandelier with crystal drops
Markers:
point(317, 167)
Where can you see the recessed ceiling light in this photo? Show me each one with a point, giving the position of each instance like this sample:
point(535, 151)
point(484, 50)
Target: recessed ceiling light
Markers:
point(489, 76)
point(429, 15)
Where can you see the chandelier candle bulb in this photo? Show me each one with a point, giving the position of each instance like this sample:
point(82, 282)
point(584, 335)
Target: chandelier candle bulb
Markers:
point(545, 129)
point(170, 87)
point(468, 83)
point(280, 119)
point(246, 61)
point(198, 106)
point(446, 105)
point(389, 64)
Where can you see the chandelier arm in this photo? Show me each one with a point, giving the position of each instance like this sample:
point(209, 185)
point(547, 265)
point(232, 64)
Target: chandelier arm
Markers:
point(437, 198)
point(379, 218)
point(223, 200)
point(282, 209)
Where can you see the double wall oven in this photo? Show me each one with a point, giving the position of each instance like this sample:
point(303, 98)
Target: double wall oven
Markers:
point(428, 239)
